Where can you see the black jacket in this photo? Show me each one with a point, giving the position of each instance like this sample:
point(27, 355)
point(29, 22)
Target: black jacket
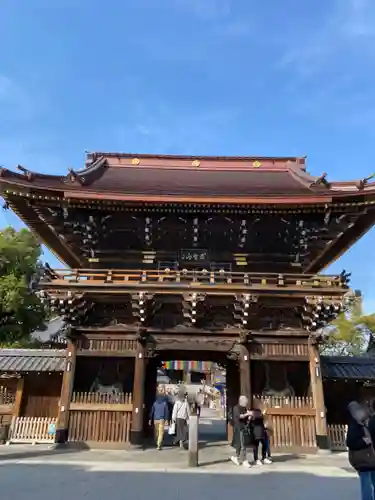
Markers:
point(239, 423)
point(355, 435)
point(257, 425)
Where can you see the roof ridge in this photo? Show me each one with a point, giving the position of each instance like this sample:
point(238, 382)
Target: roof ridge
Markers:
point(190, 157)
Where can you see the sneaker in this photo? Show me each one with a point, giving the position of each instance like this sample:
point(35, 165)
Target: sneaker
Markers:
point(159, 448)
point(246, 464)
point(235, 460)
point(258, 462)
point(267, 461)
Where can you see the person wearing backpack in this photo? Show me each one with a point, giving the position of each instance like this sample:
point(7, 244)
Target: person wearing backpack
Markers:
point(359, 440)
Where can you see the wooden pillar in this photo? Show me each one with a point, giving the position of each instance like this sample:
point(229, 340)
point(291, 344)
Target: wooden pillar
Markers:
point(17, 407)
point(318, 398)
point(245, 375)
point(62, 426)
point(136, 435)
point(150, 393)
point(193, 438)
point(232, 383)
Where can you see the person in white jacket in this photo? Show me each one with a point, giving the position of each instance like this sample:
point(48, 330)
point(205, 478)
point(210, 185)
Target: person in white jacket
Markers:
point(180, 416)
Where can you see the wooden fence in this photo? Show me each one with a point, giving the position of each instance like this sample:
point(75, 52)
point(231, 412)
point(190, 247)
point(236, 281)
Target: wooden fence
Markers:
point(32, 430)
point(100, 418)
point(337, 437)
point(291, 421)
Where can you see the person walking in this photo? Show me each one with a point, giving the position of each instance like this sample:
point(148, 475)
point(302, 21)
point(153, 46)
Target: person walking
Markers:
point(241, 432)
point(159, 416)
point(180, 417)
point(359, 440)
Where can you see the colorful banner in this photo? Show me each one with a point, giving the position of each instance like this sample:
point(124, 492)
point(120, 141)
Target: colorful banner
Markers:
point(188, 366)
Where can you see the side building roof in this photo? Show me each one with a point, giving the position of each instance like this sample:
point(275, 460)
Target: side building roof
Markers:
point(32, 360)
point(348, 367)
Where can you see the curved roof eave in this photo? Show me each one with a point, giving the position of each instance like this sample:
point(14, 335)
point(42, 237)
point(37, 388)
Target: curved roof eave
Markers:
point(100, 180)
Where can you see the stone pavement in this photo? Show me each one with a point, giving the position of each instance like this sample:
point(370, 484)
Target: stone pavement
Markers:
point(41, 473)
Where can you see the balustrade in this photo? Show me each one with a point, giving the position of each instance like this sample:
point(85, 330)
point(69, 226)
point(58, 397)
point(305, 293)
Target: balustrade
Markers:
point(170, 276)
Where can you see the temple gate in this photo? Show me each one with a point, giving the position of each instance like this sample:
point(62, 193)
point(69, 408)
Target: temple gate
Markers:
point(200, 258)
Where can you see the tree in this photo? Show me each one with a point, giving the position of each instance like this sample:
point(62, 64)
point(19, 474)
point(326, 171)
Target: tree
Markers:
point(352, 331)
point(21, 311)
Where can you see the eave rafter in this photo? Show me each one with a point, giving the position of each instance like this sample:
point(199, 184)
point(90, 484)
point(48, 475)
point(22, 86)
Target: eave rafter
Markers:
point(73, 308)
point(33, 218)
point(93, 236)
point(319, 311)
point(343, 241)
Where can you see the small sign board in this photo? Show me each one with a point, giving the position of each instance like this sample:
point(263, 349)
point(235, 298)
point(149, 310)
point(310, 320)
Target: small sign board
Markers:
point(194, 255)
point(51, 429)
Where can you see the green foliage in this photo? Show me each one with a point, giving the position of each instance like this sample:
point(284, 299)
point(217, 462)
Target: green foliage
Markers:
point(352, 332)
point(21, 311)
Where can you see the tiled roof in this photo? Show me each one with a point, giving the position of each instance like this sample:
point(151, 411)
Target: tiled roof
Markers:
point(32, 360)
point(348, 367)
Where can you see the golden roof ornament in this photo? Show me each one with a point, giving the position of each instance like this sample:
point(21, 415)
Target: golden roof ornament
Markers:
point(135, 161)
point(196, 163)
point(257, 164)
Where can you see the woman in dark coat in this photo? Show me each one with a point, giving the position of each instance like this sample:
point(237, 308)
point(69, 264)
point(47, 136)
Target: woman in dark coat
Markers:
point(258, 433)
point(240, 419)
point(359, 440)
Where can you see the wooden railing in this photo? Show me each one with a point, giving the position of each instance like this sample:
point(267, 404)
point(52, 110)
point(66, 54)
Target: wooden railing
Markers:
point(32, 430)
point(101, 418)
point(91, 277)
point(87, 398)
point(295, 402)
point(337, 436)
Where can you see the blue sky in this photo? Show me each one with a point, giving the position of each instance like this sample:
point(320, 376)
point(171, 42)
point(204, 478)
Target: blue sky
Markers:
point(222, 77)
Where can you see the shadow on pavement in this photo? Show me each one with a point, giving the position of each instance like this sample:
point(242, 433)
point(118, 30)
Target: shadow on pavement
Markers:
point(97, 482)
point(11, 452)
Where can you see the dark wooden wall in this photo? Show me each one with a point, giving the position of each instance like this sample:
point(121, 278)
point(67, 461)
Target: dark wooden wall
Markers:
point(110, 370)
point(41, 395)
point(338, 394)
point(297, 373)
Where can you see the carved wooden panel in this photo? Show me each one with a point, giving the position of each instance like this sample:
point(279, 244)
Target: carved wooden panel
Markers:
point(106, 345)
point(278, 350)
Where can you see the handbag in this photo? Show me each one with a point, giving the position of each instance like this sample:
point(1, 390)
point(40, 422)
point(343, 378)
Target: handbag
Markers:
point(172, 429)
point(363, 459)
